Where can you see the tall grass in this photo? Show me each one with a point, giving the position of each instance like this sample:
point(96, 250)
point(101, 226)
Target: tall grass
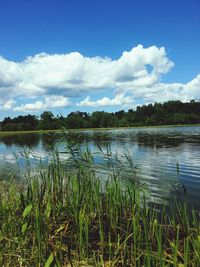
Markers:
point(68, 218)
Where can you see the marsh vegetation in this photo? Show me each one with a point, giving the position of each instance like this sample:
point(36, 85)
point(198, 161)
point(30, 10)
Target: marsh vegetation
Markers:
point(71, 217)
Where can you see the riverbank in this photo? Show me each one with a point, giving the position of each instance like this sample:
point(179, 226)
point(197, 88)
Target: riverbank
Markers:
point(28, 132)
point(93, 129)
point(63, 218)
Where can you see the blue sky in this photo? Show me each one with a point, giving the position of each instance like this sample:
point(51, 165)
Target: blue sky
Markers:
point(97, 55)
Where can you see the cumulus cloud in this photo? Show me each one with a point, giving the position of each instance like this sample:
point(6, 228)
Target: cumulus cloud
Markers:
point(74, 73)
point(58, 77)
point(8, 104)
point(119, 100)
point(193, 88)
point(49, 103)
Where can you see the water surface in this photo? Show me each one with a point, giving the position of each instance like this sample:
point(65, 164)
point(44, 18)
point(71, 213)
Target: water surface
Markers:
point(162, 157)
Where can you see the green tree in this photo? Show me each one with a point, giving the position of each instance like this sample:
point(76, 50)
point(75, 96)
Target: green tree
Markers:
point(46, 122)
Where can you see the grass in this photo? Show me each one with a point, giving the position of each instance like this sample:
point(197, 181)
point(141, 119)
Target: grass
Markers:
point(27, 132)
point(98, 129)
point(62, 217)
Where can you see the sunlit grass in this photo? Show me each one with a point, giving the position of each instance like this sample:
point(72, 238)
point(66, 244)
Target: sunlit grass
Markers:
point(6, 133)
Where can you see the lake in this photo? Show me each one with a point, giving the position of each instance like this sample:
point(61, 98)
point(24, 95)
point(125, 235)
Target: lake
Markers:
point(163, 158)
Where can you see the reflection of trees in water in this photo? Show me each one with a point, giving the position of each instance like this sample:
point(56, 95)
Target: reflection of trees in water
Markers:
point(152, 140)
point(88, 136)
point(101, 138)
point(159, 140)
point(142, 139)
point(21, 140)
point(49, 140)
point(31, 140)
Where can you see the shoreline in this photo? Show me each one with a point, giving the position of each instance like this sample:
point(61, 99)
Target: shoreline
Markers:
point(96, 129)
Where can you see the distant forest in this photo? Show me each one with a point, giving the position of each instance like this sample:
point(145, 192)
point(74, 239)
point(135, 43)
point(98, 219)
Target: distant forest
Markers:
point(168, 113)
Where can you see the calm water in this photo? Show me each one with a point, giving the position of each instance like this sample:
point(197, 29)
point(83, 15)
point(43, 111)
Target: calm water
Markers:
point(155, 153)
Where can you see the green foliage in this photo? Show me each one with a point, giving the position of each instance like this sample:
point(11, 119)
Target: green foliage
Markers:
point(171, 112)
point(47, 116)
point(71, 218)
point(24, 227)
point(27, 210)
point(49, 261)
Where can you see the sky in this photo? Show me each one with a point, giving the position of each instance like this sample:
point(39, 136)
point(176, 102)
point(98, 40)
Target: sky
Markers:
point(88, 55)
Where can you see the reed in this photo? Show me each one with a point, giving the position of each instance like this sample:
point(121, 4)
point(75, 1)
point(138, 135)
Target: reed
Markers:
point(62, 217)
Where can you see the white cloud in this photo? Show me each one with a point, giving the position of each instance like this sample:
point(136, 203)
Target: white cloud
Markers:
point(33, 107)
point(136, 74)
point(73, 73)
point(56, 101)
point(49, 103)
point(193, 88)
point(119, 100)
point(8, 104)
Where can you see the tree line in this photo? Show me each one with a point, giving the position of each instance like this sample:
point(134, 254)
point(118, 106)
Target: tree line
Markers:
point(168, 113)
